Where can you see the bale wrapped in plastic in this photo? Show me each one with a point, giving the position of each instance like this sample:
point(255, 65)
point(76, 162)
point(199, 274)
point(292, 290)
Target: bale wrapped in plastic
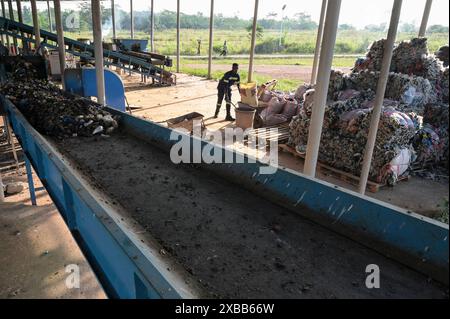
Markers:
point(344, 138)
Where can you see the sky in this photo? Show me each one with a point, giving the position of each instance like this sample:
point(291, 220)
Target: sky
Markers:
point(356, 12)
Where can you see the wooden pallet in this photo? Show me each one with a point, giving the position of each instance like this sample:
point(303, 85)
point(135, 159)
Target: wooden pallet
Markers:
point(343, 176)
point(280, 137)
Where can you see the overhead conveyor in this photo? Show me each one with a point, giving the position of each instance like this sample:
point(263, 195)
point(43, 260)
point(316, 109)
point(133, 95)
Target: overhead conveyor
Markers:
point(122, 60)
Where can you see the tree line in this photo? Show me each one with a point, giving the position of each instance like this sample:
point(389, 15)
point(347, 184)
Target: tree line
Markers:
point(81, 21)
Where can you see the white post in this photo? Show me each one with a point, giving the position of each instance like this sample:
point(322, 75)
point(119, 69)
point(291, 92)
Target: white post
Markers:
point(2, 194)
point(113, 18)
point(131, 19)
point(98, 50)
point(178, 36)
point(318, 41)
point(10, 10)
point(20, 17)
point(60, 35)
point(426, 15)
point(11, 17)
point(152, 27)
point(3, 15)
point(211, 28)
point(37, 30)
point(50, 24)
point(19, 11)
point(253, 43)
point(379, 98)
point(323, 80)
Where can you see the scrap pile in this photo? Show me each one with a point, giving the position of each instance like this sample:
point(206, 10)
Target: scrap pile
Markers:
point(54, 112)
point(414, 122)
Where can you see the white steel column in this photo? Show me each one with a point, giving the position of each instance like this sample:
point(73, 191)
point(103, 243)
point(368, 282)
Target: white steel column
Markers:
point(4, 16)
point(178, 36)
point(211, 28)
point(37, 30)
point(253, 43)
point(19, 11)
point(98, 50)
point(131, 19)
point(152, 27)
point(60, 35)
point(323, 80)
point(426, 15)
point(113, 18)
point(11, 17)
point(379, 98)
point(20, 18)
point(318, 41)
point(50, 23)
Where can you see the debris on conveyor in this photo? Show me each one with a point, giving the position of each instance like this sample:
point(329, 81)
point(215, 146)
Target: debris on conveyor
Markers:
point(414, 123)
point(54, 112)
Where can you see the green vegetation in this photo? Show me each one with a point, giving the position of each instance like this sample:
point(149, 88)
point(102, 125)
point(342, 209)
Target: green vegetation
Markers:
point(338, 61)
point(238, 42)
point(299, 37)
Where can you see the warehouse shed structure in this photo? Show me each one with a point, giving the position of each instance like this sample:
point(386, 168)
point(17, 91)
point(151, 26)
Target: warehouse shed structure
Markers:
point(128, 265)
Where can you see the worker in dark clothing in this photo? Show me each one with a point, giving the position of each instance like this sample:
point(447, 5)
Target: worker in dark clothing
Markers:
point(224, 90)
point(3, 50)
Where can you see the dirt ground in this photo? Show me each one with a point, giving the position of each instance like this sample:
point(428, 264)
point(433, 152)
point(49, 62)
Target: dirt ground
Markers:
point(289, 72)
point(36, 246)
point(199, 95)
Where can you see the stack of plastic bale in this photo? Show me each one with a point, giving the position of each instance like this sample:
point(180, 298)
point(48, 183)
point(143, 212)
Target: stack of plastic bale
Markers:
point(417, 82)
point(412, 92)
point(344, 137)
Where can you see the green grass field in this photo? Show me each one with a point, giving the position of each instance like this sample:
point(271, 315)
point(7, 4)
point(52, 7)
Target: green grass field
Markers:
point(238, 41)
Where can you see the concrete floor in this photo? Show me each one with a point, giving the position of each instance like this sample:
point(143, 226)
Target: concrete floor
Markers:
point(196, 94)
point(35, 248)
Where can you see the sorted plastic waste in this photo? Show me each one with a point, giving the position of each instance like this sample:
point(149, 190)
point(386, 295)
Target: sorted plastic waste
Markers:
point(414, 122)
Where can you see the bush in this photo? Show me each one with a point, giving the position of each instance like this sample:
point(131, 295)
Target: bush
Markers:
point(344, 47)
point(300, 48)
point(268, 46)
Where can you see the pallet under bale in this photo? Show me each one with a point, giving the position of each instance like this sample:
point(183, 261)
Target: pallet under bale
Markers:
point(341, 175)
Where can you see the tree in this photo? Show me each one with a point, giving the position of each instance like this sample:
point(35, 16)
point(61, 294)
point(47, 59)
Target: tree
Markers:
point(346, 27)
point(437, 28)
point(376, 27)
point(259, 31)
point(408, 27)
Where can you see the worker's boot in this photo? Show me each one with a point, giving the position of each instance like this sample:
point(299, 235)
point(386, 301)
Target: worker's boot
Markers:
point(229, 117)
point(217, 111)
